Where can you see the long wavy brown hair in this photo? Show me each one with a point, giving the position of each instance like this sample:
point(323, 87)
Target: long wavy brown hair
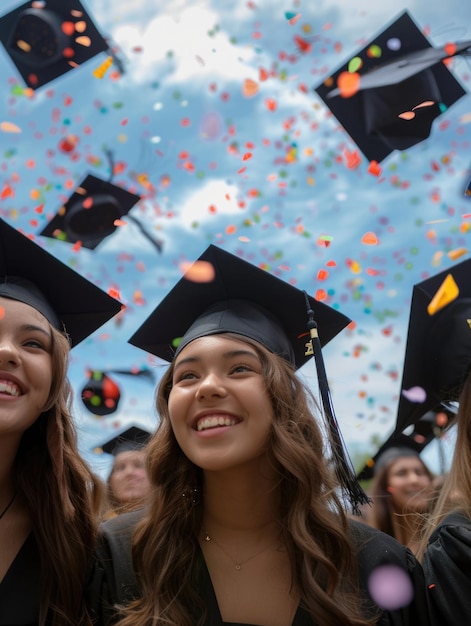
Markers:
point(63, 498)
point(314, 525)
point(455, 492)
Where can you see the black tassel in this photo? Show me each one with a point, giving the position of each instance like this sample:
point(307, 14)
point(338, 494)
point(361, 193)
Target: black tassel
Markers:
point(342, 462)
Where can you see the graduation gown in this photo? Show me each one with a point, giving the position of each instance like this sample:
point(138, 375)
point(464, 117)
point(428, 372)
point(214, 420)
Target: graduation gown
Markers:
point(447, 568)
point(19, 589)
point(113, 581)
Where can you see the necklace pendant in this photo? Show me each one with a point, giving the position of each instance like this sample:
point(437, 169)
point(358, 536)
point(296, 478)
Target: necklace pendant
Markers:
point(207, 537)
point(237, 566)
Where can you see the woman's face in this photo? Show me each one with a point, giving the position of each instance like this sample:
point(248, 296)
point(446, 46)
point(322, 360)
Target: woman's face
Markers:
point(219, 409)
point(409, 484)
point(25, 366)
point(128, 480)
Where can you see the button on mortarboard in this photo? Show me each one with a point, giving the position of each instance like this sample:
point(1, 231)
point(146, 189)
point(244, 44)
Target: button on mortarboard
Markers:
point(402, 85)
point(46, 40)
point(90, 214)
point(30, 274)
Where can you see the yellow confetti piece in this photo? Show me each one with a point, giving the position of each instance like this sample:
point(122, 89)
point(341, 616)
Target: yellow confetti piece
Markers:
point(455, 254)
point(447, 292)
point(101, 70)
point(9, 127)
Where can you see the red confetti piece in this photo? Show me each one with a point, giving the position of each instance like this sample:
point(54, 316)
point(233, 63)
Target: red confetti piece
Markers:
point(374, 168)
point(247, 156)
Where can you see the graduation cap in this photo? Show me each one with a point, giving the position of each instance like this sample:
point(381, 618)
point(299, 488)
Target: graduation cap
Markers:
point(223, 293)
point(409, 442)
point(101, 393)
point(90, 214)
point(389, 94)
point(33, 276)
point(133, 438)
point(46, 40)
point(438, 349)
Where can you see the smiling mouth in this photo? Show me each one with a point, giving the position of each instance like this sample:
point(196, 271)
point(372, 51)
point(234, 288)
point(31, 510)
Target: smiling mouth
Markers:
point(9, 388)
point(205, 423)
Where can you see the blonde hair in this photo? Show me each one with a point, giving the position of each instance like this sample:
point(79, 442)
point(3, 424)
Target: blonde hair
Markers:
point(314, 525)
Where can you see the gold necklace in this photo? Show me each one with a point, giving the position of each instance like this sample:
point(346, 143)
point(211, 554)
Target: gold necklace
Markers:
point(237, 564)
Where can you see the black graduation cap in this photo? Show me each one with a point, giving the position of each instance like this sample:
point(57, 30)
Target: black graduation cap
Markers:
point(409, 442)
point(101, 393)
point(30, 274)
point(248, 301)
point(133, 438)
point(438, 348)
point(45, 40)
point(90, 213)
point(240, 297)
point(401, 73)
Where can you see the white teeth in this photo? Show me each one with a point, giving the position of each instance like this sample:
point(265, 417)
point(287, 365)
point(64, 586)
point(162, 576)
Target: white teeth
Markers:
point(213, 422)
point(10, 389)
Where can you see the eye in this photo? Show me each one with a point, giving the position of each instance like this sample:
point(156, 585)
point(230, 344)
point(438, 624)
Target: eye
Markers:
point(236, 369)
point(181, 376)
point(35, 343)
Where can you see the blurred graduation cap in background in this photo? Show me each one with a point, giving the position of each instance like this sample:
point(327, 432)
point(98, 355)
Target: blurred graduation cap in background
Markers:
point(101, 393)
point(47, 39)
point(414, 438)
point(133, 438)
point(221, 293)
point(438, 347)
point(90, 214)
point(388, 95)
point(70, 302)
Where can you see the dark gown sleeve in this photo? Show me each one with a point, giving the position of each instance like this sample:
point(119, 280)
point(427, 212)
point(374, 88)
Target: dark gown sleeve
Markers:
point(374, 549)
point(447, 567)
point(112, 581)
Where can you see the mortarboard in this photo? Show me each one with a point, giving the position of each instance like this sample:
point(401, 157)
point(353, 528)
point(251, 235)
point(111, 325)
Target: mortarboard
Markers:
point(409, 442)
point(400, 88)
point(33, 276)
point(247, 300)
point(243, 298)
point(46, 40)
point(133, 438)
point(101, 393)
point(90, 214)
point(438, 348)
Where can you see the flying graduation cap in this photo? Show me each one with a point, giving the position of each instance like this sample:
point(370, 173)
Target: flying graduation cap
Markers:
point(389, 94)
point(222, 293)
point(90, 214)
point(133, 438)
point(29, 274)
point(438, 349)
point(101, 393)
point(411, 441)
point(47, 39)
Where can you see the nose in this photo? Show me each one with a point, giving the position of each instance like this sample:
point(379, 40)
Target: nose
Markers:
point(210, 386)
point(8, 353)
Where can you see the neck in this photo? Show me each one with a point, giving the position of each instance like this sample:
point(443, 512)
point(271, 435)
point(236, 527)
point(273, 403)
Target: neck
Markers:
point(8, 450)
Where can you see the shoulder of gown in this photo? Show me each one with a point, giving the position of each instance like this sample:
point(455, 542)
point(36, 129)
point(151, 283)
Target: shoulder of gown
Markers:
point(447, 567)
point(375, 549)
point(112, 582)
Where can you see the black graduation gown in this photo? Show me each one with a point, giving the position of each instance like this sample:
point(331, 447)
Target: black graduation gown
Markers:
point(113, 581)
point(19, 589)
point(447, 567)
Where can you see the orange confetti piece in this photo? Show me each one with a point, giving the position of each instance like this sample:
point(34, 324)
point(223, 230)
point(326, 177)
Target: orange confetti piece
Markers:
point(457, 253)
point(198, 272)
point(250, 88)
point(348, 83)
point(321, 294)
point(247, 156)
point(369, 239)
point(84, 41)
point(114, 293)
point(322, 274)
point(9, 127)
point(270, 103)
point(447, 292)
point(7, 192)
point(374, 168)
point(352, 159)
point(407, 115)
point(101, 70)
point(231, 229)
point(450, 48)
point(77, 246)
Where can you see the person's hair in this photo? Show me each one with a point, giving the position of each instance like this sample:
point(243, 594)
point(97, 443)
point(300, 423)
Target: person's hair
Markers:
point(62, 495)
point(455, 492)
point(380, 513)
point(314, 525)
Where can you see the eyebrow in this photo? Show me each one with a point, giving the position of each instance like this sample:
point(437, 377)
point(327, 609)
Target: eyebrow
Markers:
point(33, 327)
point(226, 355)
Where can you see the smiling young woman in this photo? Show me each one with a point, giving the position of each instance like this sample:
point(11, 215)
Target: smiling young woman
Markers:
point(246, 521)
point(48, 494)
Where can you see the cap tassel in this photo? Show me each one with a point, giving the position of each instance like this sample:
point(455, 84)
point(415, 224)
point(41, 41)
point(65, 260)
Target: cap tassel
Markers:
point(343, 464)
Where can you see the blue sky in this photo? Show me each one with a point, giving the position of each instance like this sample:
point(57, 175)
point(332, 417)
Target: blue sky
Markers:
point(262, 175)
